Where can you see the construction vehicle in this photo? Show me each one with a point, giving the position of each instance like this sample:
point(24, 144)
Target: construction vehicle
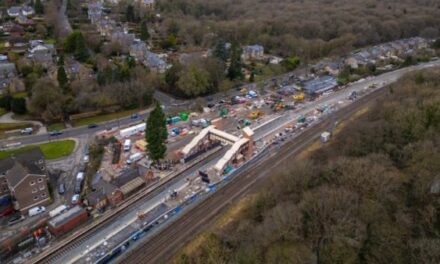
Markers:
point(298, 97)
point(278, 106)
point(256, 114)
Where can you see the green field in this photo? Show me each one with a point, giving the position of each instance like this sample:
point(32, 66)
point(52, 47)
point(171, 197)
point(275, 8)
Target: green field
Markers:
point(2, 111)
point(51, 150)
point(13, 126)
point(56, 126)
point(102, 118)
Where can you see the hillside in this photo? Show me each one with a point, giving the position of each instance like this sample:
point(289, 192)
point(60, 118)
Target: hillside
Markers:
point(308, 28)
point(371, 196)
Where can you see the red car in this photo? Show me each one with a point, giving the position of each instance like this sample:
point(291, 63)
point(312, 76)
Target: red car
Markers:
point(6, 211)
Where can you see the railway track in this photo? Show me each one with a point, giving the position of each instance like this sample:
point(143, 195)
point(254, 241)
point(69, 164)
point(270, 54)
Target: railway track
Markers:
point(163, 245)
point(57, 253)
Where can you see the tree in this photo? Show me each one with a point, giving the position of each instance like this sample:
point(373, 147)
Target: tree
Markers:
point(156, 134)
point(39, 8)
point(47, 101)
point(145, 35)
point(129, 14)
point(194, 81)
point(76, 44)
point(62, 78)
point(234, 71)
point(221, 51)
point(18, 105)
point(291, 63)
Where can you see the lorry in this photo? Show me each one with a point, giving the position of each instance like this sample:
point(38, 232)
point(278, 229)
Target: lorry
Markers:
point(135, 157)
point(36, 210)
point(127, 145)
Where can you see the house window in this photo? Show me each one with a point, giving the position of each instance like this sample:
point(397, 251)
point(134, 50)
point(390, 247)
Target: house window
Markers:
point(43, 195)
point(34, 190)
point(32, 183)
point(40, 179)
point(41, 187)
point(35, 198)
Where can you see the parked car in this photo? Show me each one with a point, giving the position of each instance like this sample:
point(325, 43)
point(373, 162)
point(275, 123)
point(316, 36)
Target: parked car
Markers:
point(75, 199)
point(55, 133)
point(27, 131)
point(134, 116)
point(86, 158)
point(37, 210)
point(61, 188)
point(92, 126)
point(16, 219)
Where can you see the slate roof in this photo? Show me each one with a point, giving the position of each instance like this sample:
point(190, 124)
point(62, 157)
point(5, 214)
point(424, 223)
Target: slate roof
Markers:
point(126, 177)
point(29, 162)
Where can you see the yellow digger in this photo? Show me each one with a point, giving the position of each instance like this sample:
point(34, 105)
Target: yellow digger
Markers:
point(298, 97)
point(256, 114)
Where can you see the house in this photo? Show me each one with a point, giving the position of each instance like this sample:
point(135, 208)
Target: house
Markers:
point(105, 26)
point(94, 11)
point(253, 52)
point(24, 20)
point(155, 62)
point(113, 195)
point(15, 11)
point(123, 38)
point(146, 3)
point(44, 59)
point(42, 48)
point(138, 50)
point(98, 198)
point(7, 70)
point(333, 68)
point(26, 177)
point(14, 30)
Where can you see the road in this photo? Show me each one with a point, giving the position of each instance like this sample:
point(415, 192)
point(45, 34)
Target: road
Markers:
point(164, 244)
point(125, 121)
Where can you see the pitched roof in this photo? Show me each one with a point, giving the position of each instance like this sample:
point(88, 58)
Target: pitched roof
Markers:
point(31, 160)
point(126, 177)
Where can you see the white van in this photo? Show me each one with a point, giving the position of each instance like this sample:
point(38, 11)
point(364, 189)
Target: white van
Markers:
point(37, 210)
point(135, 157)
point(127, 145)
point(80, 176)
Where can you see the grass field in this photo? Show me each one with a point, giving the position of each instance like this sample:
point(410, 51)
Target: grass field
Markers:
point(51, 150)
point(2, 111)
point(13, 126)
point(56, 126)
point(103, 118)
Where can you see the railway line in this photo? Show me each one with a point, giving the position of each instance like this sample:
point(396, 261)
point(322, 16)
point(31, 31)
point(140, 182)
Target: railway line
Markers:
point(165, 243)
point(77, 240)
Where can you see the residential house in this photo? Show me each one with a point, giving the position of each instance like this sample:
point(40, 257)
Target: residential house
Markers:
point(155, 62)
point(24, 20)
point(15, 11)
point(94, 11)
point(42, 54)
point(26, 177)
point(138, 50)
point(7, 74)
point(333, 68)
point(123, 38)
point(146, 3)
point(253, 52)
point(105, 26)
point(13, 29)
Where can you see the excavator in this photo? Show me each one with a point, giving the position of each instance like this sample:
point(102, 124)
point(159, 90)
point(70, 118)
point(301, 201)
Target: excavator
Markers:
point(256, 114)
point(298, 97)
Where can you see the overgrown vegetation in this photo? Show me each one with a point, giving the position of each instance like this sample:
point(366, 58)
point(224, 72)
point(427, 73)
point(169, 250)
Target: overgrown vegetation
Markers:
point(371, 196)
point(309, 29)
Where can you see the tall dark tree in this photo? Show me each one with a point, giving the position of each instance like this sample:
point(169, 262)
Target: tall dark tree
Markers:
point(18, 105)
point(156, 134)
point(234, 71)
point(39, 8)
point(76, 44)
point(62, 78)
point(129, 14)
point(145, 35)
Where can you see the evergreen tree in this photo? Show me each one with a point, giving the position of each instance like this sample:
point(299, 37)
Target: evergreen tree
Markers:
point(76, 44)
point(61, 60)
point(145, 35)
point(221, 51)
point(62, 78)
point(234, 71)
point(129, 15)
point(156, 134)
point(39, 8)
